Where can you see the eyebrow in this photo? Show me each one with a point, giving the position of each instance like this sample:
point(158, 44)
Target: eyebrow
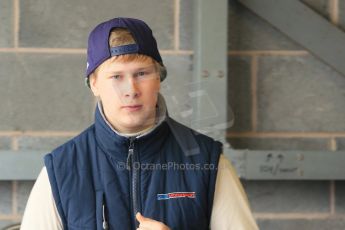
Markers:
point(138, 69)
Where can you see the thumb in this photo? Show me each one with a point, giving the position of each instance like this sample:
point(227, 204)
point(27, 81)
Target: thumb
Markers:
point(140, 217)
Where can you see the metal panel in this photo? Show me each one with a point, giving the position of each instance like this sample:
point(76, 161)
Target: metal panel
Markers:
point(306, 27)
point(209, 88)
point(24, 165)
point(288, 165)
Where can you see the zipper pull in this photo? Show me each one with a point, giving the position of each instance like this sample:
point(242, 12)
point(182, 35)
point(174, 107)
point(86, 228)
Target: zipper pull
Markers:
point(104, 220)
point(130, 153)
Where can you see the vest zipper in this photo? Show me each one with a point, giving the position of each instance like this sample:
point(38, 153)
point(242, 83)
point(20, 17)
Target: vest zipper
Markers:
point(133, 171)
point(104, 217)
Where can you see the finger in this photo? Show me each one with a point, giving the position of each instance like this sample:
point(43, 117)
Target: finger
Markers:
point(140, 217)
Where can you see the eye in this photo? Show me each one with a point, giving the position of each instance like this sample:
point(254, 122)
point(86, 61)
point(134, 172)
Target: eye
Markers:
point(116, 77)
point(141, 73)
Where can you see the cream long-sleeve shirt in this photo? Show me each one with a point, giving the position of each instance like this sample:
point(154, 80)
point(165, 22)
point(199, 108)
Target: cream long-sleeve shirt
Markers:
point(230, 211)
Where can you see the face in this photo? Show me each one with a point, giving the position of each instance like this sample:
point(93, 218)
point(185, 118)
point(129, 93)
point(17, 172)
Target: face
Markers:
point(128, 91)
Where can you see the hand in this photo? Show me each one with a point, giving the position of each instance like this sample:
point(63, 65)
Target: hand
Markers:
point(149, 224)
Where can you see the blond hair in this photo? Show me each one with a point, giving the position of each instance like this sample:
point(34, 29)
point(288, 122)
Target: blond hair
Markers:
point(120, 37)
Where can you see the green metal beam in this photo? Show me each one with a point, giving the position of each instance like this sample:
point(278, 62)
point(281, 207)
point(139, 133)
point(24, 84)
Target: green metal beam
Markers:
point(304, 26)
point(209, 87)
point(22, 165)
point(249, 164)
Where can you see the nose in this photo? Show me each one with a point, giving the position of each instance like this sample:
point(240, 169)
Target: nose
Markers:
point(131, 88)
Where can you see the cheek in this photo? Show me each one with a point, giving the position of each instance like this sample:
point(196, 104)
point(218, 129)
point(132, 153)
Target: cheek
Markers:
point(109, 96)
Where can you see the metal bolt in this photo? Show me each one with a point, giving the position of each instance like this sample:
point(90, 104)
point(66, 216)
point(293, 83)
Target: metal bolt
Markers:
point(301, 172)
point(220, 73)
point(227, 145)
point(205, 73)
point(300, 157)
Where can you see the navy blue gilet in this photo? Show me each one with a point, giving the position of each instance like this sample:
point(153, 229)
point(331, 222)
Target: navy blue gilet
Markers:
point(100, 179)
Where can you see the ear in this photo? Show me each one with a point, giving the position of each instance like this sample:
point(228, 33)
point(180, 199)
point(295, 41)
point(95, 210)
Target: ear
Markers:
point(93, 84)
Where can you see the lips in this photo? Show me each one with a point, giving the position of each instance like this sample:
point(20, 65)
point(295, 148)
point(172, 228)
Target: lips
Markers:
point(132, 107)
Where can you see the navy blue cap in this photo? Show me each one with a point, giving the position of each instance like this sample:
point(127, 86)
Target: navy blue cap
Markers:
point(98, 49)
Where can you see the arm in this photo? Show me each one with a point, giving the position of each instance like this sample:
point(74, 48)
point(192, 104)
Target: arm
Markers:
point(41, 212)
point(231, 209)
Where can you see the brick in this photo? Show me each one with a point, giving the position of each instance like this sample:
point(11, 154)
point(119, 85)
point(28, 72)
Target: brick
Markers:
point(341, 22)
point(280, 143)
point(49, 23)
point(23, 192)
point(44, 92)
point(176, 87)
point(186, 25)
point(5, 198)
point(288, 196)
point(6, 28)
point(239, 92)
point(319, 6)
point(340, 143)
point(246, 31)
point(5, 143)
point(40, 143)
point(339, 197)
point(299, 94)
point(305, 224)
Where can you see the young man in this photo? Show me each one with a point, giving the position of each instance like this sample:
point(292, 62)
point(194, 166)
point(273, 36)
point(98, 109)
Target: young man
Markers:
point(135, 167)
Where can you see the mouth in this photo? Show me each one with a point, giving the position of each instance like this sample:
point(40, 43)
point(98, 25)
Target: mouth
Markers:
point(132, 107)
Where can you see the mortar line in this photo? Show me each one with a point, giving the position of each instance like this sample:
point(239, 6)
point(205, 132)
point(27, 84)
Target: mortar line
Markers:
point(43, 50)
point(268, 53)
point(14, 143)
point(333, 6)
point(77, 51)
point(10, 217)
point(39, 133)
point(333, 144)
point(9, 133)
point(177, 25)
point(288, 216)
point(14, 198)
point(285, 134)
point(16, 22)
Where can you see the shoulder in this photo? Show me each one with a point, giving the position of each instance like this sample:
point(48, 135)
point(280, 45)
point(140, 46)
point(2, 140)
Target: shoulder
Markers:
point(71, 150)
point(190, 135)
point(195, 144)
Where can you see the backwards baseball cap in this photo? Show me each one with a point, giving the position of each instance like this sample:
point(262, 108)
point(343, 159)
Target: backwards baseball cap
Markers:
point(98, 49)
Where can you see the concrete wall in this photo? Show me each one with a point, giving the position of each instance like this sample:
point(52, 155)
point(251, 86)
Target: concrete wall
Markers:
point(283, 97)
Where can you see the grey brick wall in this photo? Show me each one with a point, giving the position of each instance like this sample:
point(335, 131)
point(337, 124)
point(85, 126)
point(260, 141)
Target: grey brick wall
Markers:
point(296, 98)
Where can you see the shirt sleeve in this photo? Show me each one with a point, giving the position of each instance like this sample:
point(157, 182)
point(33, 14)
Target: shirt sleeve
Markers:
point(231, 209)
point(40, 211)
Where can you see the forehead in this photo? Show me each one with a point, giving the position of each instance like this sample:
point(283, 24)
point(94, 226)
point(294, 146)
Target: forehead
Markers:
point(120, 63)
